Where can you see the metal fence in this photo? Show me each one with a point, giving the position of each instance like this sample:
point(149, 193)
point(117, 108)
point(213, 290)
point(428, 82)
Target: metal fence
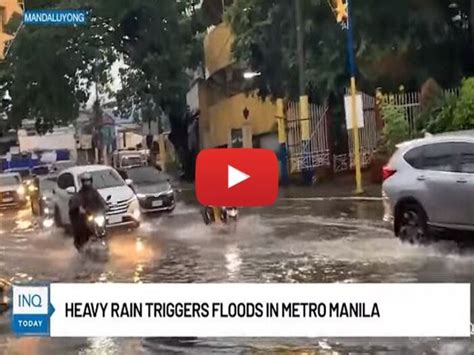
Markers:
point(368, 137)
point(314, 153)
point(410, 102)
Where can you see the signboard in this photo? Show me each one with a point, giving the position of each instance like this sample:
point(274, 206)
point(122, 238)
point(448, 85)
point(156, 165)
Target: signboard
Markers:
point(359, 111)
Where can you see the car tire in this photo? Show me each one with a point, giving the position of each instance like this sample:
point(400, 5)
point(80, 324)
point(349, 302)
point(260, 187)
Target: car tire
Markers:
point(412, 224)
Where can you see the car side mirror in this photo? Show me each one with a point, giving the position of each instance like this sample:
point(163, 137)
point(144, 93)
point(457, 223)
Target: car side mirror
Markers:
point(129, 182)
point(71, 190)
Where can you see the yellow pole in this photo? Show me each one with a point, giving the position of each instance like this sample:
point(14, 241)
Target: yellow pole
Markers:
point(280, 116)
point(217, 214)
point(355, 136)
point(304, 117)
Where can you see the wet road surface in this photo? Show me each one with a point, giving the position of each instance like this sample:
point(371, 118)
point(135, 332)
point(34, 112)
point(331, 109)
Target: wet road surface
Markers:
point(296, 240)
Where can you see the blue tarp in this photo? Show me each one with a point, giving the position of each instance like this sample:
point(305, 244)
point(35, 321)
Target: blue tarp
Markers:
point(28, 161)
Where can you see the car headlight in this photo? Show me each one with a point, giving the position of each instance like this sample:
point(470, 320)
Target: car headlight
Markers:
point(170, 192)
point(99, 220)
point(21, 191)
point(48, 223)
point(141, 196)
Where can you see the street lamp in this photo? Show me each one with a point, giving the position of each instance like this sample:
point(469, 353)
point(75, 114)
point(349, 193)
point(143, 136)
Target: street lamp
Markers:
point(248, 75)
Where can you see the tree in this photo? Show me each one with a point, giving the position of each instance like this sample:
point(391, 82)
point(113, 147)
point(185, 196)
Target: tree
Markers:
point(397, 42)
point(161, 45)
point(49, 69)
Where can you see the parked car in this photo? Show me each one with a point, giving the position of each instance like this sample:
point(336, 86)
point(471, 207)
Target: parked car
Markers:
point(12, 191)
point(152, 187)
point(40, 170)
point(128, 159)
point(123, 206)
point(429, 183)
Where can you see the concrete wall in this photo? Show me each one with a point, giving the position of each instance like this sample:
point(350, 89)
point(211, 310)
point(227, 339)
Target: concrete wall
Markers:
point(218, 49)
point(49, 141)
point(218, 120)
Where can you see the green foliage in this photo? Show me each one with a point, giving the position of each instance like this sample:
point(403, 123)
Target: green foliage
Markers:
point(442, 116)
point(464, 110)
point(396, 42)
point(396, 128)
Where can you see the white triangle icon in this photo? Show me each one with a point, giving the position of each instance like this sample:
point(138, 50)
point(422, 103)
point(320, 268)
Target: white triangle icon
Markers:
point(235, 176)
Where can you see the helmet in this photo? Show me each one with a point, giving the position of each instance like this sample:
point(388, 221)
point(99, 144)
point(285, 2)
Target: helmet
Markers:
point(86, 179)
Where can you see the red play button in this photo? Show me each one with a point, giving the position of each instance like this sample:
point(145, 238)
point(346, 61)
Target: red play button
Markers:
point(237, 177)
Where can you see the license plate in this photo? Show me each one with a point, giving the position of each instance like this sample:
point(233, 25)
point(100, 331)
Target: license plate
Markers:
point(115, 219)
point(157, 203)
point(7, 199)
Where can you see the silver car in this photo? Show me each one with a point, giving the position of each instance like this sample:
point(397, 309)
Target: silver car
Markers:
point(430, 183)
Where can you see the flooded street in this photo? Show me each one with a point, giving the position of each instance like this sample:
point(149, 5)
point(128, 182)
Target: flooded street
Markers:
point(296, 240)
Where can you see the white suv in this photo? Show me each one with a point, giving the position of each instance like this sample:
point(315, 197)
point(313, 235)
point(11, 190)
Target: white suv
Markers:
point(429, 182)
point(123, 206)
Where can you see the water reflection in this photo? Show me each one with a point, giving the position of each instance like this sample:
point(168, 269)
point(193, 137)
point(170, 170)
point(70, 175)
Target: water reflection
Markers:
point(100, 346)
point(233, 262)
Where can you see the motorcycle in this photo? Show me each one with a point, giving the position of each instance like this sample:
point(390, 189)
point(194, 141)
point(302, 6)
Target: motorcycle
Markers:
point(96, 225)
point(224, 218)
point(96, 246)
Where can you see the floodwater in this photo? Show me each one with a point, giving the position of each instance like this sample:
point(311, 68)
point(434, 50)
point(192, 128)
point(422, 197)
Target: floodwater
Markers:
point(296, 240)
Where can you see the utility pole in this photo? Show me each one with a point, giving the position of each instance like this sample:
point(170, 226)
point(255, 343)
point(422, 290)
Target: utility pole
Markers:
point(307, 173)
point(300, 46)
point(344, 15)
point(471, 22)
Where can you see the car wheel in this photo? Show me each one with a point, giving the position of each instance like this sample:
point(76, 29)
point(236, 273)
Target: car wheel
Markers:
point(412, 224)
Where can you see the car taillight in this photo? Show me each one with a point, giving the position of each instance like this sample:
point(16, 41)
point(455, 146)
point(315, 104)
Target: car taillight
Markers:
point(387, 172)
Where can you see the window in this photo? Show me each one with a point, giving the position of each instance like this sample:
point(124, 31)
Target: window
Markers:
point(414, 157)
point(103, 179)
point(65, 181)
point(440, 157)
point(41, 170)
point(6, 180)
point(146, 175)
point(466, 158)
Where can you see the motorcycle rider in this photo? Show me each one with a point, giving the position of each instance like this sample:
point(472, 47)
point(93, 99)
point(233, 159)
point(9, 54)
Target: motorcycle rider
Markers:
point(212, 214)
point(86, 201)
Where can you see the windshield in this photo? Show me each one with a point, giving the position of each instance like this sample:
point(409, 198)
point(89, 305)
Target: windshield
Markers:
point(24, 173)
point(104, 179)
point(7, 180)
point(146, 175)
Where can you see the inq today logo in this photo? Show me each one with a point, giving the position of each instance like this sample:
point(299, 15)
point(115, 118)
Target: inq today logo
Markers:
point(31, 310)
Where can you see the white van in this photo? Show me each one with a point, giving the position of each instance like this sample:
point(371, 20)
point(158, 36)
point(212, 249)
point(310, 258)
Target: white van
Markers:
point(123, 206)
